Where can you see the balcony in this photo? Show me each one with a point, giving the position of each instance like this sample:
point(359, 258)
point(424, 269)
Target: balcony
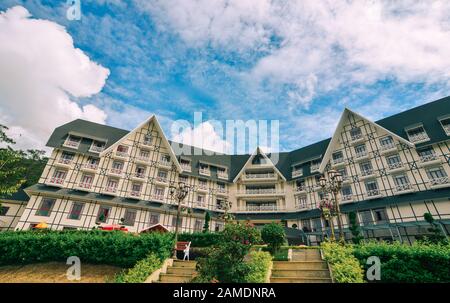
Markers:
point(121, 154)
point(300, 189)
point(418, 138)
point(89, 167)
point(362, 155)
point(186, 166)
point(429, 159)
point(315, 167)
point(84, 186)
point(386, 148)
point(373, 194)
point(345, 179)
point(160, 179)
point(367, 173)
point(56, 181)
point(72, 144)
point(164, 163)
point(260, 208)
point(135, 194)
point(338, 162)
point(96, 149)
point(202, 187)
point(138, 176)
point(446, 128)
point(297, 173)
point(301, 205)
point(204, 171)
point(259, 176)
point(221, 191)
point(158, 197)
point(404, 188)
point(143, 159)
point(347, 198)
point(222, 175)
point(260, 192)
point(397, 166)
point(110, 190)
point(62, 162)
point(115, 172)
point(439, 182)
point(357, 138)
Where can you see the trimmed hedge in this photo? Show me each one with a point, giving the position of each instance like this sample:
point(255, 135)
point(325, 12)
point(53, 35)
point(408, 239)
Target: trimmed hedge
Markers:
point(403, 263)
point(259, 266)
point(344, 266)
point(140, 271)
point(96, 247)
point(200, 239)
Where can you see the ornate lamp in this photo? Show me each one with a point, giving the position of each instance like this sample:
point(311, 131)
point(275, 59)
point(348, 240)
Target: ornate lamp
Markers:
point(178, 192)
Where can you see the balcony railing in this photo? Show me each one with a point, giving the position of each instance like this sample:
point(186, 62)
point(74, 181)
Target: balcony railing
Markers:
point(135, 193)
point(122, 154)
point(421, 137)
point(143, 158)
point(259, 191)
point(297, 173)
point(222, 175)
point(96, 149)
point(439, 181)
point(300, 188)
point(110, 189)
point(161, 179)
point(261, 208)
point(373, 192)
point(186, 166)
point(428, 158)
point(91, 166)
point(338, 161)
point(56, 180)
point(367, 172)
point(202, 186)
point(158, 197)
point(346, 198)
point(315, 167)
point(139, 175)
point(357, 137)
point(164, 162)
point(388, 146)
point(221, 190)
point(85, 185)
point(301, 204)
point(403, 187)
point(115, 171)
point(65, 161)
point(260, 176)
point(395, 165)
point(361, 154)
point(72, 144)
point(204, 171)
point(447, 129)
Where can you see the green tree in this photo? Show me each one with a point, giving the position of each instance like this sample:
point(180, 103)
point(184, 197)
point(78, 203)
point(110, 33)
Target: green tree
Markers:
point(225, 260)
point(354, 228)
point(436, 233)
point(206, 225)
point(11, 172)
point(273, 235)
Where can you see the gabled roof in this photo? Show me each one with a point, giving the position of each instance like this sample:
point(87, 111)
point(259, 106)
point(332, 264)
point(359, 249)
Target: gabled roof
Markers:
point(151, 119)
point(258, 151)
point(339, 128)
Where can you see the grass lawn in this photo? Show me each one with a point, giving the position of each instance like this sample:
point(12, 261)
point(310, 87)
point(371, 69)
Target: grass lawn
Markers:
point(55, 272)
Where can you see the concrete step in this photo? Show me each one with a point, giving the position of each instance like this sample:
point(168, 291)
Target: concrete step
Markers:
point(181, 270)
point(306, 255)
point(299, 280)
point(179, 263)
point(175, 278)
point(300, 265)
point(305, 273)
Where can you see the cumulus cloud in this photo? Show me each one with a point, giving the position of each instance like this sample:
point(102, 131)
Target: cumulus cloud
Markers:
point(339, 42)
point(42, 74)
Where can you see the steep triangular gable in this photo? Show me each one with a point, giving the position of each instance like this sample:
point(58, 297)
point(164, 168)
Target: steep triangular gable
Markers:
point(250, 159)
point(151, 119)
point(339, 128)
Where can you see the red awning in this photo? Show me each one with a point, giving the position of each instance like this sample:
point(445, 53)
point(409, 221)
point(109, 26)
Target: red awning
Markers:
point(113, 227)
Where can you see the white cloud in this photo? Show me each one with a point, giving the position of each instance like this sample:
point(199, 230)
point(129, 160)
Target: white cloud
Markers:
point(41, 71)
point(203, 136)
point(339, 42)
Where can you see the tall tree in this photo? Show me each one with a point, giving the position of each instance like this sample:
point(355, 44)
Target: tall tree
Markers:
point(11, 172)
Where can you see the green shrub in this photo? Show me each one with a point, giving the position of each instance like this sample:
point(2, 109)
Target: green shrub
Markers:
point(96, 247)
point(201, 239)
point(281, 254)
point(225, 260)
point(140, 271)
point(344, 266)
point(258, 266)
point(403, 263)
point(273, 235)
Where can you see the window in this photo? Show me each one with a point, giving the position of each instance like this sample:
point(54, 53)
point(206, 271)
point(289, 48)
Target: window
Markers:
point(46, 207)
point(165, 159)
point(372, 188)
point(338, 157)
point(3, 210)
point(117, 167)
point(162, 175)
point(360, 150)
point(159, 192)
point(301, 202)
point(315, 164)
point(343, 172)
point(297, 171)
point(97, 146)
point(394, 162)
point(221, 186)
point(306, 225)
point(316, 224)
point(72, 141)
point(103, 214)
point(427, 154)
point(140, 171)
point(436, 173)
point(219, 227)
point(380, 215)
point(154, 219)
point(185, 164)
point(219, 203)
point(111, 185)
point(201, 199)
point(221, 172)
point(204, 169)
point(144, 154)
point(174, 221)
point(198, 225)
point(202, 184)
point(92, 162)
point(86, 181)
point(346, 191)
point(130, 217)
point(355, 133)
point(136, 188)
point(417, 134)
point(66, 158)
point(148, 139)
point(301, 185)
point(183, 179)
point(366, 217)
point(387, 142)
point(366, 168)
point(58, 177)
point(402, 182)
point(75, 212)
point(122, 149)
point(445, 122)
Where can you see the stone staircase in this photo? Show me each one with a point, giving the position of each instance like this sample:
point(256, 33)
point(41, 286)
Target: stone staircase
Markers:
point(306, 266)
point(179, 272)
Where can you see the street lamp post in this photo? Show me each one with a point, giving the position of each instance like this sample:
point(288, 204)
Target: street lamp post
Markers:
point(178, 192)
point(333, 186)
point(225, 205)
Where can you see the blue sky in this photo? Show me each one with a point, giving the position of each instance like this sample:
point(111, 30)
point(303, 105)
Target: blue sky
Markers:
point(297, 62)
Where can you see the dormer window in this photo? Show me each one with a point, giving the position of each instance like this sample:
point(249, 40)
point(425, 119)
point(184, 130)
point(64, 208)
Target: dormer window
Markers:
point(222, 173)
point(315, 165)
point(72, 141)
point(297, 171)
point(185, 164)
point(417, 134)
point(204, 169)
point(258, 160)
point(148, 139)
point(97, 146)
point(165, 160)
point(445, 122)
